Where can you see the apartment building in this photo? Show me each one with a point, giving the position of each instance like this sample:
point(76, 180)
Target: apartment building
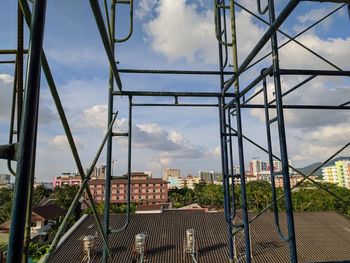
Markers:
point(143, 189)
point(67, 179)
point(338, 174)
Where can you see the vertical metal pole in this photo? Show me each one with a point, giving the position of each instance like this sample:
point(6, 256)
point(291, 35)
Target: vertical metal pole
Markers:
point(233, 206)
point(224, 160)
point(270, 153)
point(29, 211)
point(245, 217)
point(25, 163)
point(108, 178)
point(129, 162)
point(282, 139)
point(19, 67)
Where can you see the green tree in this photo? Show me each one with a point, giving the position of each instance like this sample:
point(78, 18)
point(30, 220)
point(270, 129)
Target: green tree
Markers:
point(40, 192)
point(5, 204)
point(65, 196)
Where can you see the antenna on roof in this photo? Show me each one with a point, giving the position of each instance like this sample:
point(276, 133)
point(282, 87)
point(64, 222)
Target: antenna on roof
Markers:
point(140, 247)
point(88, 245)
point(190, 245)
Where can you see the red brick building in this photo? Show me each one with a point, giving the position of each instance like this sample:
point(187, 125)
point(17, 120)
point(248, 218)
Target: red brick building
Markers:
point(143, 190)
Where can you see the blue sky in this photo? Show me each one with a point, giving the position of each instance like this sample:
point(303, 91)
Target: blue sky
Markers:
point(177, 34)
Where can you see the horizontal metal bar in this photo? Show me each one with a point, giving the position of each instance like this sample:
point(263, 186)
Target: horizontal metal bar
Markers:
point(298, 107)
point(121, 2)
point(229, 134)
point(272, 29)
point(314, 72)
point(7, 61)
point(11, 51)
point(174, 71)
point(173, 105)
point(116, 134)
point(8, 151)
point(169, 94)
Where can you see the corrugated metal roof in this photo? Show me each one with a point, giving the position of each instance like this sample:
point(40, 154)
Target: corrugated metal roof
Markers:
point(321, 237)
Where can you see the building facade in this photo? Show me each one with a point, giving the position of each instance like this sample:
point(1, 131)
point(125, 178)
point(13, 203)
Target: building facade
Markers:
point(191, 181)
point(292, 179)
point(210, 176)
point(168, 172)
point(143, 190)
point(67, 179)
point(338, 174)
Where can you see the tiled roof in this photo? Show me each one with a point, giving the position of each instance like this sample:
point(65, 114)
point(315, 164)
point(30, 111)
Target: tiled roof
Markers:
point(49, 211)
point(321, 237)
point(152, 207)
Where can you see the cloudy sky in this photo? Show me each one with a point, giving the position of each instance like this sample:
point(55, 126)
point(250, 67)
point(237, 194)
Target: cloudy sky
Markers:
point(175, 34)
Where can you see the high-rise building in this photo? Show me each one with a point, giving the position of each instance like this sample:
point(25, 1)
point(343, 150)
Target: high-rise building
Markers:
point(210, 176)
point(168, 172)
point(206, 176)
point(257, 166)
point(339, 173)
point(99, 172)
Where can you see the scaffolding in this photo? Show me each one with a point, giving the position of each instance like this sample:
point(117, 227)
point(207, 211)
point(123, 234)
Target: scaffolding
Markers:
point(231, 99)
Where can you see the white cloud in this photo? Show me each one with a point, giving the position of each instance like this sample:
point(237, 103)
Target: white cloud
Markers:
point(323, 142)
point(147, 135)
point(183, 30)
point(6, 83)
point(333, 49)
point(315, 93)
point(217, 151)
point(46, 114)
point(60, 143)
point(145, 8)
point(96, 116)
point(157, 162)
point(179, 31)
point(316, 14)
point(83, 57)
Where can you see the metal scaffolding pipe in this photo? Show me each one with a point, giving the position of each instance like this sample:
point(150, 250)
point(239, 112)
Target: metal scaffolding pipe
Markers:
point(11, 51)
point(169, 94)
point(27, 141)
point(174, 71)
point(174, 105)
point(314, 72)
point(282, 139)
point(298, 107)
point(105, 40)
